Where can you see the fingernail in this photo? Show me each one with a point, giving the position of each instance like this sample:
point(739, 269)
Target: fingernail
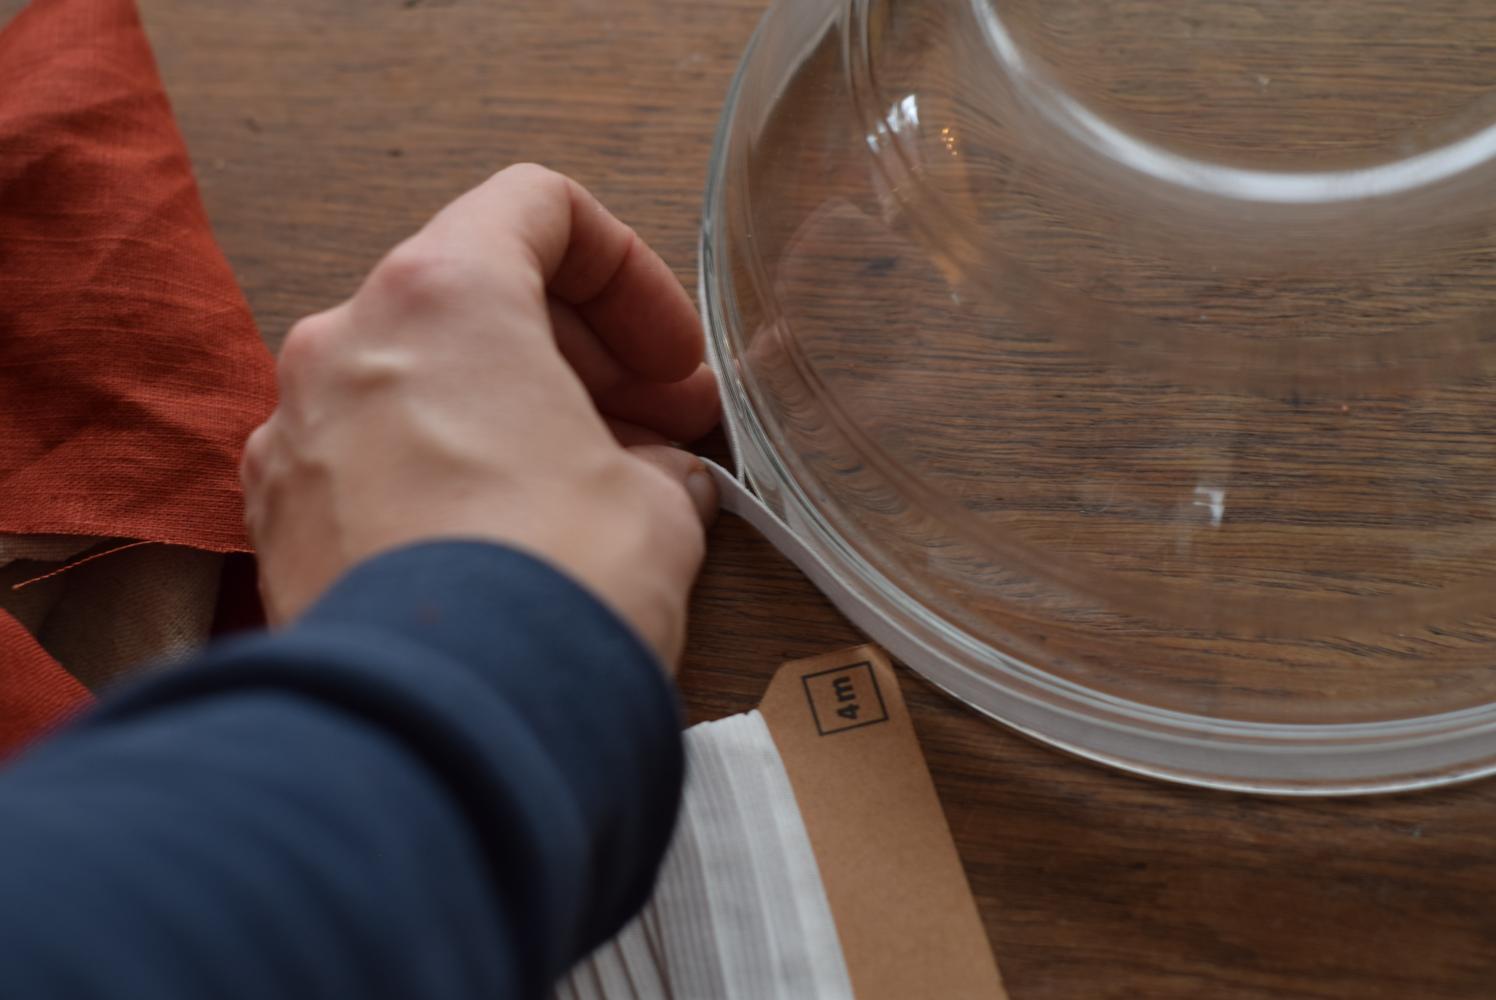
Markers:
point(703, 493)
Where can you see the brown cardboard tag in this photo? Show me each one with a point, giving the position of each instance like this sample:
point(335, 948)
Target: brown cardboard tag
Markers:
point(904, 912)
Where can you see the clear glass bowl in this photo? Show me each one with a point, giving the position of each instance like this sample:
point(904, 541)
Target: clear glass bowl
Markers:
point(1135, 359)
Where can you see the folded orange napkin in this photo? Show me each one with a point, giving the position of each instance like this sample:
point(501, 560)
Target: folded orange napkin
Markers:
point(130, 368)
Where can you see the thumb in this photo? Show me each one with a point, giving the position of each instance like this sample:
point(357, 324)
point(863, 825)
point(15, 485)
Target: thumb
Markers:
point(686, 469)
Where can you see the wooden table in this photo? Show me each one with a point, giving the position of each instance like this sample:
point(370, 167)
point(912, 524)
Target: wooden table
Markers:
point(325, 130)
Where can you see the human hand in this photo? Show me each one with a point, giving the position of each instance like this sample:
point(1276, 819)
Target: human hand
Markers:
point(514, 372)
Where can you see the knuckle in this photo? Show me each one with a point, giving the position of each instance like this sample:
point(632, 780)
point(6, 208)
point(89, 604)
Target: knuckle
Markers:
point(305, 343)
point(416, 279)
point(532, 175)
point(535, 185)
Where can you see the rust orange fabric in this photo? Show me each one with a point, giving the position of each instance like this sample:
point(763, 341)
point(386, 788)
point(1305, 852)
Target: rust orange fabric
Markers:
point(130, 367)
point(35, 693)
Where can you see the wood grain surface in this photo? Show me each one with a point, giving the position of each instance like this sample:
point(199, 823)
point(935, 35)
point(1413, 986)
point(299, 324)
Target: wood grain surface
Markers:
point(326, 130)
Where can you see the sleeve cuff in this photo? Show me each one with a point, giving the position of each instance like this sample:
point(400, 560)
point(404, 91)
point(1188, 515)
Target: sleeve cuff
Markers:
point(542, 713)
point(592, 694)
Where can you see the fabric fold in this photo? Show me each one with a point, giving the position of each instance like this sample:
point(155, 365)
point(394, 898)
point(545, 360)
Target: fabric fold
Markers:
point(35, 693)
point(130, 367)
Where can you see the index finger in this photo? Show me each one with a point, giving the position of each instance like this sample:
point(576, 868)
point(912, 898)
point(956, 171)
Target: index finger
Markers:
point(588, 258)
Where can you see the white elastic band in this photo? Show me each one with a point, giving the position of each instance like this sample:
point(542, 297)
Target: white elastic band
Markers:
point(737, 498)
point(739, 910)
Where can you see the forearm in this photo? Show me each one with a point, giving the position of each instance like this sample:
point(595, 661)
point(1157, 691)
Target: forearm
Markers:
point(450, 779)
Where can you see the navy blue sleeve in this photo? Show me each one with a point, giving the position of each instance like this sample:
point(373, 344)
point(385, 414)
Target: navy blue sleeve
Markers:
point(453, 777)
